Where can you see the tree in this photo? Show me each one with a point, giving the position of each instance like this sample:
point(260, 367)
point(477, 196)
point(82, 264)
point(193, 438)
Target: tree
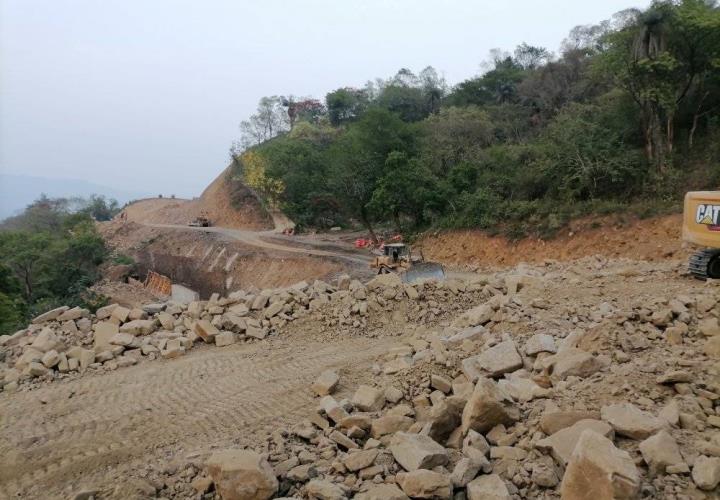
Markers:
point(345, 105)
point(583, 155)
point(531, 57)
point(408, 189)
point(99, 208)
point(434, 88)
point(455, 135)
point(357, 160)
point(658, 58)
point(270, 120)
point(409, 103)
point(305, 109)
point(496, 86)
point(412, 97)
point(254, 170)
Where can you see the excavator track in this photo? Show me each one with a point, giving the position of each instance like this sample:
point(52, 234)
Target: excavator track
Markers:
point(705, 264)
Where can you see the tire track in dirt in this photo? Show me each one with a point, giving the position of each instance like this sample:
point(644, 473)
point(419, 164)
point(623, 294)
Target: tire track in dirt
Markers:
point(95, 427)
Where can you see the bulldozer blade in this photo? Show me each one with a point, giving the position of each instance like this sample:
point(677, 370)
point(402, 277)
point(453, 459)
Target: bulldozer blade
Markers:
point(424, 271)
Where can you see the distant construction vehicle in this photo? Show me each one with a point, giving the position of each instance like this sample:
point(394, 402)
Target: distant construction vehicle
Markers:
point(701, 227)
point(397, 258)
point(201, 221)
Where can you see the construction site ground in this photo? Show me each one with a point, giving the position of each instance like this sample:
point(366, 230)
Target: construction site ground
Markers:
point(106, 430)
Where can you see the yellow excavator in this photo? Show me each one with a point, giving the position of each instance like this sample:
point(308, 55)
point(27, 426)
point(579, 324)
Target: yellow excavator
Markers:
point(701, 227)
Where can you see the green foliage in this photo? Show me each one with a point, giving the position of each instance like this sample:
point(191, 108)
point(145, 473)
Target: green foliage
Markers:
point(345, 105)
point(583, 158)
point(626, 118)
point(49, 257)
point(123, 260)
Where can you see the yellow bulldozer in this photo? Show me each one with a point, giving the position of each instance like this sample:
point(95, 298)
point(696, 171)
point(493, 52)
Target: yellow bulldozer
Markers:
point(701, 227)
point(397, 258)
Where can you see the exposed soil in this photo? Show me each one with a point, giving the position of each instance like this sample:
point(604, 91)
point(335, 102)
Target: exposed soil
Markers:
point(216, 203)
point(221, 260)
point(102, 430)
point(645, 239)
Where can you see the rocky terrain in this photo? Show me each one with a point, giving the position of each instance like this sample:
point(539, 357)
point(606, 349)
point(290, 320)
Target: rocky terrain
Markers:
point(596, 379)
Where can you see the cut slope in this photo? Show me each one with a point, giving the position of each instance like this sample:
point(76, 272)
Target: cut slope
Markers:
point(226, 202)
point(647, 239)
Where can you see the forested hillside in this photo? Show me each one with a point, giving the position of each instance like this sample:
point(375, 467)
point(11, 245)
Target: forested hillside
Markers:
point(49, 255)
point(625, 117)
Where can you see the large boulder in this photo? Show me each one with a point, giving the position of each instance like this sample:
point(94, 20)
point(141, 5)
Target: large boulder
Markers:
point(325, 384)
point(571, 362)
point(478, 315)
point(426, 484)
point(561, 444)
point(489, 487)
point(597, 470)
point(367, 398)
point(630, 421)
point(324, 490)
point(206, 331)
point(416, 451)
point(50, 315)
point(382, 492)
point(540, 342)
point(138, 327)
point(389, 424)
point(241, 475)
point(104, 332)
point(487, 407)
point(661, 451)
point(706, 472)
point(46, 341)
point(499, 359)
point(445, 417)
point(553, 421)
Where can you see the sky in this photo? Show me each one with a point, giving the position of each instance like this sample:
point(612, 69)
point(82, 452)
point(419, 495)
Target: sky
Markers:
point(147, 95)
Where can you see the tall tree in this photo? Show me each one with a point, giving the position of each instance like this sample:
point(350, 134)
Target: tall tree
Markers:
point(659, 58)
point(358, 160)
point(346, 104)
point(270, 120)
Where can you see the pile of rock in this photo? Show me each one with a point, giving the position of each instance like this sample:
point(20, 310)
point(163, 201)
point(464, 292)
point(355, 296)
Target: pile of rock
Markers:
point(68, 341)
point(611, 405)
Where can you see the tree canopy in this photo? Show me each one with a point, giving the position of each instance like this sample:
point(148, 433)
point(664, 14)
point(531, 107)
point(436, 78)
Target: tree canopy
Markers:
point(628, 112)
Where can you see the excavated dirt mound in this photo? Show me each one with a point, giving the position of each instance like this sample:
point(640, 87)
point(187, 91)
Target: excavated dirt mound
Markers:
point(646, 239)
point(226, 202)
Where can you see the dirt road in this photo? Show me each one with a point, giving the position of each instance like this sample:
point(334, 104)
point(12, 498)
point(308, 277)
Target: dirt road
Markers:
point(255, 238)
point(94, 430)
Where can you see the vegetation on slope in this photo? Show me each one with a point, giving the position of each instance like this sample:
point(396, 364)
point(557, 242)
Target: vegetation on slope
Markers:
point(49, 255)
point(628, 115)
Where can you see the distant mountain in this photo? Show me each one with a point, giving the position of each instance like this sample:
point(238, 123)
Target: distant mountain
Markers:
point(18, 191)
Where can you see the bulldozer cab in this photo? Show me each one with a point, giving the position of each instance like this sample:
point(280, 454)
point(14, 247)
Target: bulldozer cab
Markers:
point(396, 252)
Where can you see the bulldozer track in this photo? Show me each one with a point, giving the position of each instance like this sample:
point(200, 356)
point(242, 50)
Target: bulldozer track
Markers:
point(101, 426)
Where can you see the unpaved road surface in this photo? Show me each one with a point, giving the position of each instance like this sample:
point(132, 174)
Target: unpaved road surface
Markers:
point(255, 238)
point(94, 430)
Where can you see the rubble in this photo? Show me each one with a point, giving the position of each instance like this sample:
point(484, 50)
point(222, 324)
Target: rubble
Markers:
point(597, 470)
point(513, 394)
point(241, 475)
point(628, 420)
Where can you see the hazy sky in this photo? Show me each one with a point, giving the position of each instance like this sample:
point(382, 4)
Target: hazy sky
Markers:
point(149, 93)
